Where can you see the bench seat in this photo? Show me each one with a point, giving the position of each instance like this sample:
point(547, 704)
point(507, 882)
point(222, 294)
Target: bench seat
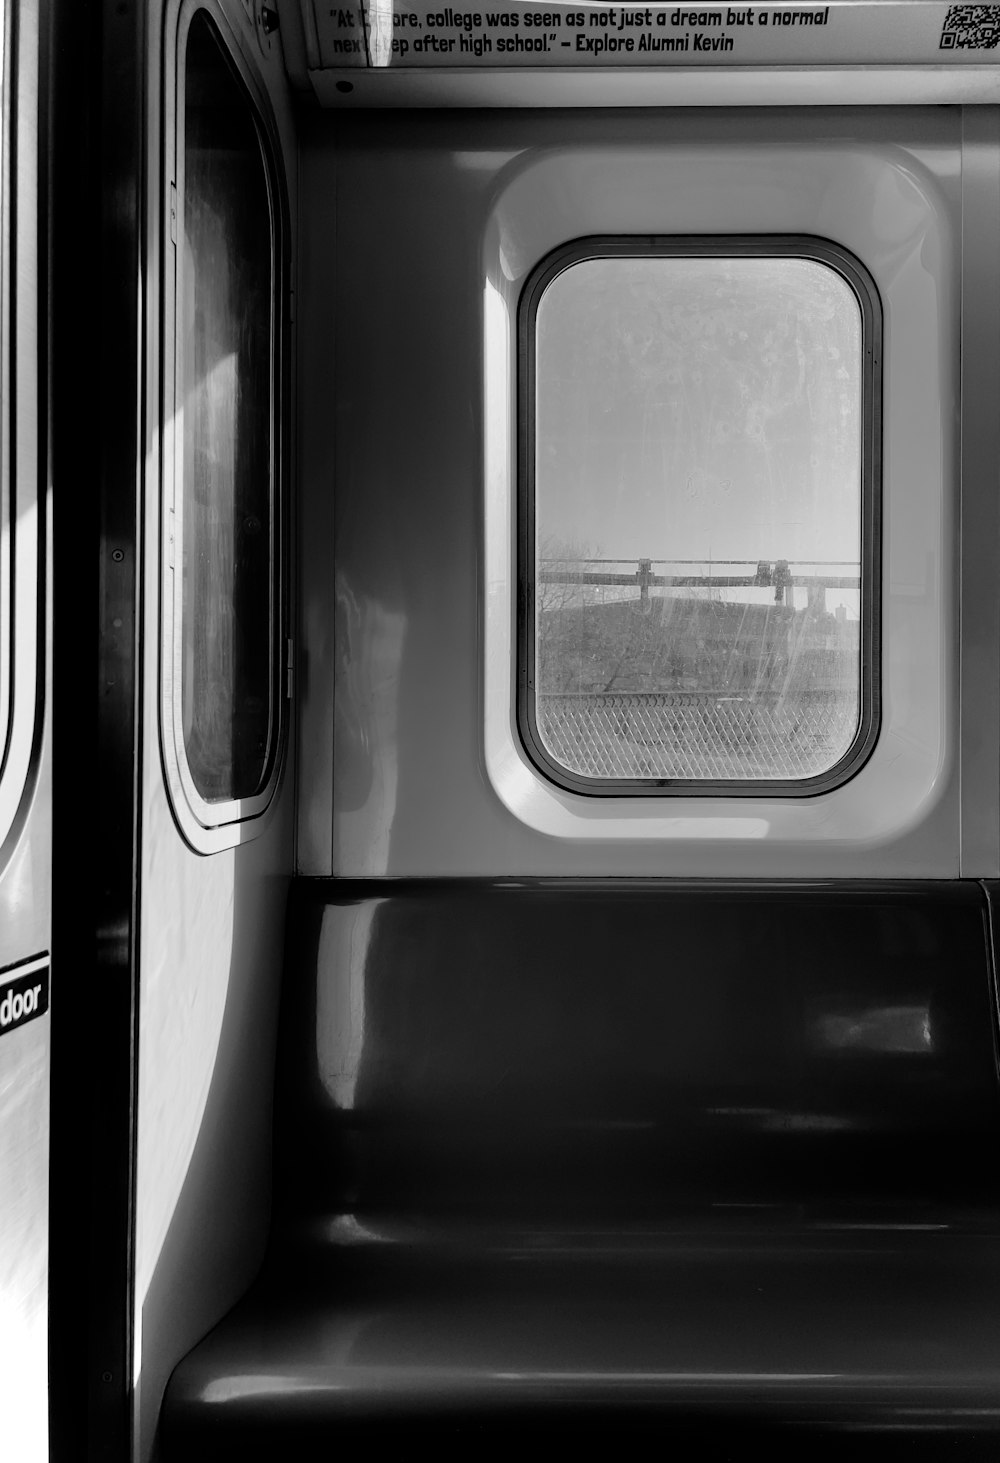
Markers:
point(690, 1161)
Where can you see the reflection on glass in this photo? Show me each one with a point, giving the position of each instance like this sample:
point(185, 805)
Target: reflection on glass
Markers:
point(698, 518)
point(225, 359)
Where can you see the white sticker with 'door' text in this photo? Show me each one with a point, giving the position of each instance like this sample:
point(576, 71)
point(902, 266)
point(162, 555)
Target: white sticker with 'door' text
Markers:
point(24, 993)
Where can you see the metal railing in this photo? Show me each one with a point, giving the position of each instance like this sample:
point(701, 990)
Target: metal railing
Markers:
point(768, 574)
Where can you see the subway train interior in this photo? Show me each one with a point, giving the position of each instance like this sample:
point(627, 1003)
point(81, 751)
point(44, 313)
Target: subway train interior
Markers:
point(499, 729)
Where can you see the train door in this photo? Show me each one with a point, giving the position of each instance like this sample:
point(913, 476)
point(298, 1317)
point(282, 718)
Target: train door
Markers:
point(216, 749)
point(25, 773)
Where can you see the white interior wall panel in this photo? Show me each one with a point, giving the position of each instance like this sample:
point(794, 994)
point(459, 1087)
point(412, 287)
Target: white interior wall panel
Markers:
point(419, 233)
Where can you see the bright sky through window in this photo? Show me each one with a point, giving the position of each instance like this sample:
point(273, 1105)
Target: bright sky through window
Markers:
point(699, 407)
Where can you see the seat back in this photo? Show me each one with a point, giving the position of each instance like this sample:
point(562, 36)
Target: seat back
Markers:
point(620, 1052)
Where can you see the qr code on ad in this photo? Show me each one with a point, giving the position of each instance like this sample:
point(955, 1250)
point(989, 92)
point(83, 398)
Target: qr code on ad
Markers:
point(975, 27)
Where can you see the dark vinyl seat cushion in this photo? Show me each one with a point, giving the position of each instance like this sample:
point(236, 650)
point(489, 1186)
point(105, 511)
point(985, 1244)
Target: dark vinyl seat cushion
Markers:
point(688, 1160)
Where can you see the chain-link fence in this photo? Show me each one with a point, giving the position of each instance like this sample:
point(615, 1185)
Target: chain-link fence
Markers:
point(698, 736)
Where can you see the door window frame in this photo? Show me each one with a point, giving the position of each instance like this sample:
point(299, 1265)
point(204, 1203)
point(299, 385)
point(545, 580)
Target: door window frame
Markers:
point(211, 825)
point(22, 507)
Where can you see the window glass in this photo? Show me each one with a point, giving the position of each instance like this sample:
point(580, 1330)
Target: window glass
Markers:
point(6, 524)
point(698, 603)
point(226, 387)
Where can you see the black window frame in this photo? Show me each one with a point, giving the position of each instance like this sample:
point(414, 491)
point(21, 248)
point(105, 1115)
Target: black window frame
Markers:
point(794, 246)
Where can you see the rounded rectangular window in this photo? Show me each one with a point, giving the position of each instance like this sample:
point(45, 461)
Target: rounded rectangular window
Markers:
point(224, 533)
point(22, 554)
point(6, 513)
point(698, 545)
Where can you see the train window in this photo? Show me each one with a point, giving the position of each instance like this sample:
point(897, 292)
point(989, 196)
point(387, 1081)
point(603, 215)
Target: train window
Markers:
point(698, 516)
point(224, 528)
point(22, 644)
point(6, 516)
